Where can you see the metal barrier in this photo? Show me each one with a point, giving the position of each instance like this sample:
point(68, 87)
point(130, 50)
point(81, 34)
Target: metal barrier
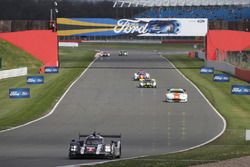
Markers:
point(239, 59)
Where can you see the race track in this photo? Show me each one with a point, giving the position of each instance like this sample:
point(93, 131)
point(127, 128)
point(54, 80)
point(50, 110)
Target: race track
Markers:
point(106, 100)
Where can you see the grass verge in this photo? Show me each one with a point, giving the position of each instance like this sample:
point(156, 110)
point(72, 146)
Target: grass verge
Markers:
point(14, 112)
point(149, 46)
point(234, 108)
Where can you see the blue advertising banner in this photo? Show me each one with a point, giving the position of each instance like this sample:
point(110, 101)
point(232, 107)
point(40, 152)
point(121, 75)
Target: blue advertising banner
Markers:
point(240, 90)
point(51, 69)
point(136, 26)
point(35, 79)
point(207, 70)
point(221, 78)
point(15, 93)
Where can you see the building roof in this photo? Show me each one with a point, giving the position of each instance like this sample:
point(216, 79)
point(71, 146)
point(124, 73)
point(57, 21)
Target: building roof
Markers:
point(166, 3)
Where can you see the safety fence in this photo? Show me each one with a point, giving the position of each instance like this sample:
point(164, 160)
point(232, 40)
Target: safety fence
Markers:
point(20, 25)
point(239, 59)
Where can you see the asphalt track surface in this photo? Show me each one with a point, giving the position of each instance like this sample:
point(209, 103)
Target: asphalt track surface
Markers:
point(106, 100)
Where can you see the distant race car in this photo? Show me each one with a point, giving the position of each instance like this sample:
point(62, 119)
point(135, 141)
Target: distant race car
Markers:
point(123, 53)
point(104, 54)
point(141, 75)
point(95, 146)
point(176, 95)
point(147, 83)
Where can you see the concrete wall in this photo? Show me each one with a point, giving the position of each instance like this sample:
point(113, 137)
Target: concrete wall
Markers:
point(243, 74)
point(13, 73)
point(221, 66)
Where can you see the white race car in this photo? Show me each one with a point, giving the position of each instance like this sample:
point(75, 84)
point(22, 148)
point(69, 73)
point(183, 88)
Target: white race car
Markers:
point(176, 95)
point(141, 75)
point(104, 54)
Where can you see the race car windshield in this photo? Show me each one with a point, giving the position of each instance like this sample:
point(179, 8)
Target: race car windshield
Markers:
point(141, 73)
point(93, 141)
point(148, 80)
point(176, 91)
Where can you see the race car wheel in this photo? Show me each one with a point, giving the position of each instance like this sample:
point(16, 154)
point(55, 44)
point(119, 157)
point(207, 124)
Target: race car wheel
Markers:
point(72, 157)
point(120, 152)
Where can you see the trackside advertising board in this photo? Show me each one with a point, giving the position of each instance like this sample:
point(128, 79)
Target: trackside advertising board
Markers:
point(51, 70)
point(221, 78)
point(240, 90)
point(17, 93)
point(35, 79)
point(136, 27)
point(207, 70)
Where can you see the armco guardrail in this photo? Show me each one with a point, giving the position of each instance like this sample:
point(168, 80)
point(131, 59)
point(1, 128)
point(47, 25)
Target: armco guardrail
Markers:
point(242, 74)
point(13, 73)
point(221, 66)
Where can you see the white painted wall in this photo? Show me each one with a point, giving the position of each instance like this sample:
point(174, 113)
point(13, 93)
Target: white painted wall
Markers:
point(68, 44)
point(13, 72)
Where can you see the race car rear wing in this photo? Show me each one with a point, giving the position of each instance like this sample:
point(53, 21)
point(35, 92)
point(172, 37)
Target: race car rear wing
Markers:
point(105, 136)
point(112, 136)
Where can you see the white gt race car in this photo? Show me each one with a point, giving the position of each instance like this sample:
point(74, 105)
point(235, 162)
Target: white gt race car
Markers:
point(176, 95)
point(141, 75)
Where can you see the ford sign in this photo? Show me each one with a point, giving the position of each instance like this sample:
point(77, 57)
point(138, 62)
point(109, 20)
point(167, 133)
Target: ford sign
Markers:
point(35, 80)
point(19, 93)
point(51, 69)
point(221, 78)
point(207, 70)
point(240, 90)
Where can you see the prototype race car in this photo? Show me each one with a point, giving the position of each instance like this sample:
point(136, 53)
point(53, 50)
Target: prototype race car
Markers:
point(95, 146)
point(104, 54)
point(176, 95)
point(147, 83)
point(141, 75)
point(123, 53)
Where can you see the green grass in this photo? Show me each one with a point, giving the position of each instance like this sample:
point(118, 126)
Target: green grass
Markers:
point(236, 110)
point(138, 46)
point(13, 57)
point(14, 112)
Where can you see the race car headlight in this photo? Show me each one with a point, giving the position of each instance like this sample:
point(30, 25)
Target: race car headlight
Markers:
point(183, 96)
point(73, 148)
point(107, 149)
point(169, 96)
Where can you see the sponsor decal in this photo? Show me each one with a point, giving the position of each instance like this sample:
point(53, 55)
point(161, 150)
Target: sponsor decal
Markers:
point(19, 93)
point(35, 79)
point(221, 78)
point(201, 21)
point(207, 70)
point(161, 27)
point(240, 90)
point(51, 69)
point(148, 27)
point(128, 26)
